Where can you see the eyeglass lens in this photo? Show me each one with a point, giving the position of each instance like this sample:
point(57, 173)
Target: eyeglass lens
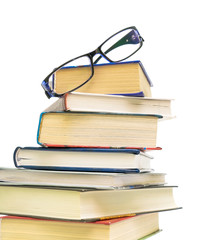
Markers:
point(121, 45)
point(71, 75)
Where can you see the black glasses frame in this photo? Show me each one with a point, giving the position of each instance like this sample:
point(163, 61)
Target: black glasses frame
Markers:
point(50, 92)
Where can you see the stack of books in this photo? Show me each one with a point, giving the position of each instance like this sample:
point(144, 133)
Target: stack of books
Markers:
point(91, 178)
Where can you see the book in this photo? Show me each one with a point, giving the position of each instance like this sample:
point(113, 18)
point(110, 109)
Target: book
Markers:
point(83, 159)
point(88, 102)
point(82, 204)
point(129, 228)
point(96, 180)
point(127, 78)
point(72, 129)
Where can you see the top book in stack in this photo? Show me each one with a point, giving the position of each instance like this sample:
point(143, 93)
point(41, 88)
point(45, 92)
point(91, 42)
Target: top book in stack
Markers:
point(126, 78)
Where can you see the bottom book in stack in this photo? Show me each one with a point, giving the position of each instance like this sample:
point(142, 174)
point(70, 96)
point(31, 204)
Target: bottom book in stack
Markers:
point(129, 228)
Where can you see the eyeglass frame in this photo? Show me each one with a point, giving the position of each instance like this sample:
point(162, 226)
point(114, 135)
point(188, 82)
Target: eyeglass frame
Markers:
point(45, 83)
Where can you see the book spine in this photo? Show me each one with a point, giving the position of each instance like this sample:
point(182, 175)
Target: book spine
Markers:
point(38, 132)
point(15, 158)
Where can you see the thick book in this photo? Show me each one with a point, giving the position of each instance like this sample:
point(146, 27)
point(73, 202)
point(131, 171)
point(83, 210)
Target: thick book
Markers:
point(127, 228)
point(82, 204)
point(98, 180)
point(83, 159)
point(88, 102)
point(97, 130)
point(126, 78)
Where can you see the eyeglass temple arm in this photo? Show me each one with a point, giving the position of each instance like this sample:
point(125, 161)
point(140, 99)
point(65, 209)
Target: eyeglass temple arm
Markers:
point(124, 40)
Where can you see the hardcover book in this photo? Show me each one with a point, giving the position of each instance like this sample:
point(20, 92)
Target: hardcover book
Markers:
point(126, 78)
point(82, 204)
point(83, 159)
point(88, 102)
point(97, 130)
point(98, 180)
point(129, 228)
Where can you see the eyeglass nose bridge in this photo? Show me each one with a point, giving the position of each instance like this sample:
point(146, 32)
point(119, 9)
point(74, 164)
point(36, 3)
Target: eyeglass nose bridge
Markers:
point(93, 53)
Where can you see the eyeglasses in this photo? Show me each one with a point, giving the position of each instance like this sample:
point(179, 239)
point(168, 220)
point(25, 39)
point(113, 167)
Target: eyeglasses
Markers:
point(116, 48)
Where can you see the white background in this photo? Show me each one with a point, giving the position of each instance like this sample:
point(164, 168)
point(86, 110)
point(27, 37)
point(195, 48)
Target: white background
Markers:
point(36, 36)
